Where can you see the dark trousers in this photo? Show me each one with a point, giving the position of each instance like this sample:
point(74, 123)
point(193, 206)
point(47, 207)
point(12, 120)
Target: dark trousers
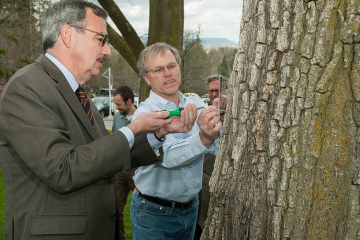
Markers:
point(198, 232)
point(123, 184)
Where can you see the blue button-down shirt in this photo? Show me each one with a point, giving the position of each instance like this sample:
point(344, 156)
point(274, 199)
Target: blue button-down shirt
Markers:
point(179, 176)
point(119, 121)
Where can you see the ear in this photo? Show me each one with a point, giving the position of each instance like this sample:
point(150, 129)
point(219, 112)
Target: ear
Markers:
point(66, 35)
point(145, 77)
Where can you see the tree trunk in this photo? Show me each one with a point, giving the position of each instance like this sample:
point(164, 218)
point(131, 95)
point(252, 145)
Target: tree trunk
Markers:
point(166, 24)
point(291, 170)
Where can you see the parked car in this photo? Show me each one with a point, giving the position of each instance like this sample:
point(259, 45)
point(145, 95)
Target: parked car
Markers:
point(1, 90)
point(102, 104)
point(191, 95)
point(205, 98)
point(104, 92)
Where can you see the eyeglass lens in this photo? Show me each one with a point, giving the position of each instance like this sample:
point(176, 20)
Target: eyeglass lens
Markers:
point(213, 91)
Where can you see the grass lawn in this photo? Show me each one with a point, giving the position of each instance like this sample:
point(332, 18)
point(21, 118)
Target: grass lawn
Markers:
point(127, 223)
point(128, 231)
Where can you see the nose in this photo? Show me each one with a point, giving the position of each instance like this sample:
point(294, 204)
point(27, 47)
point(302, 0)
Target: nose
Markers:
point(105, 50)
point(167, 71)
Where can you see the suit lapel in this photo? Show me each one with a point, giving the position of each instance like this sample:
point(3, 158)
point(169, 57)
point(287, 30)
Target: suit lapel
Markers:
point(68, 94)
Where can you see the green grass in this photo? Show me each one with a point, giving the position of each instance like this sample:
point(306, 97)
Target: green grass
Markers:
point(127, 226)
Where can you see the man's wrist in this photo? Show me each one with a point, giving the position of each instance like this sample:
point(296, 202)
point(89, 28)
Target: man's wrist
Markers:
point(160, 139)
point(205, 139)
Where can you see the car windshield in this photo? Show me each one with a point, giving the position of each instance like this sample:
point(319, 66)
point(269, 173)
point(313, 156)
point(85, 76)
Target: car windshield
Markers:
point(191, 95)
point(98, 100)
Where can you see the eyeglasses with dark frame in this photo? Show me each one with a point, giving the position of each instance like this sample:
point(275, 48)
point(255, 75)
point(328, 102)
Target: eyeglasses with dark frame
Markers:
point(105, 38)
point(213, 91)
point(161, 69)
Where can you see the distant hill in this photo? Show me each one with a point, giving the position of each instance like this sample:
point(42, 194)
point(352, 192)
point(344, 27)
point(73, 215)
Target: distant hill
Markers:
point(218, 42)
point(214, 42)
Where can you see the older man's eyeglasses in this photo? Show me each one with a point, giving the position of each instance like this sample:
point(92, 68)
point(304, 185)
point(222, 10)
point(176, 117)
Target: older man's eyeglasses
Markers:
point(161, 69)
point(213, 91)
point(104, 39)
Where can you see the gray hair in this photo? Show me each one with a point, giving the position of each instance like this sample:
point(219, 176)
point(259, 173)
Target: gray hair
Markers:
point(221, 78)
point(153, 50)
point(72, 12)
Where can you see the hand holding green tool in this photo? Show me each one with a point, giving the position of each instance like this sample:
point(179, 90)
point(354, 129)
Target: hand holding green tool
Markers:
point(177, 111)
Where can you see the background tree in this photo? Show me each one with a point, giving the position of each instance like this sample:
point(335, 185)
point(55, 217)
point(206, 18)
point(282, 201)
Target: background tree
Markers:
point(292, 170)
point(20, 40)
point(20, 43)
point(217, 56)
point(166, 24)
point(195, 65)
point(223, 67)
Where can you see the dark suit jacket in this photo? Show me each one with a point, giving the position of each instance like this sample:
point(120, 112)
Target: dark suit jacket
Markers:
point(58, 173)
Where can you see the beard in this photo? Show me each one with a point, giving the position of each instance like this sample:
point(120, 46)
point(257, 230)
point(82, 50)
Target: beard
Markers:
point(124, 111)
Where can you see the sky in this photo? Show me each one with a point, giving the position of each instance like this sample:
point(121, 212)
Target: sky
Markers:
point(217, 18)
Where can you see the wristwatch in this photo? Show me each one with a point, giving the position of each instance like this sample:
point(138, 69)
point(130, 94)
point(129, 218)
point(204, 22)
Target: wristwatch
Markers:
point(161, 139)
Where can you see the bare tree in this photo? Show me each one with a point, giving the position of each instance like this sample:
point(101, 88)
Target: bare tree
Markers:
point(20, 41)
point(196, 67)
point(292, 168)
point(166, 24)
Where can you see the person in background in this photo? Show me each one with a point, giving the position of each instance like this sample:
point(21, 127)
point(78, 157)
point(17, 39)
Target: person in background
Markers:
point(165, 202)
point(58, 160)
point(213, 83)
point(123, 98)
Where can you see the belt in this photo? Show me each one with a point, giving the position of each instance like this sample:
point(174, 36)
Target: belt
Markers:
point(166, 203)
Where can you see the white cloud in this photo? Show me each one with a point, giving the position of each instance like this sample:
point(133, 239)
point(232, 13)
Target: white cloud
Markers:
point(217, 18)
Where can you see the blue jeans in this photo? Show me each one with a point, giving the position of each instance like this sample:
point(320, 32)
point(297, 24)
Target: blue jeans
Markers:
point(152, 221)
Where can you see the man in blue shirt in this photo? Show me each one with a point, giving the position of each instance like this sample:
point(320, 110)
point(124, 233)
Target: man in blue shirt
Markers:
point(123, 98)
point(165, 204)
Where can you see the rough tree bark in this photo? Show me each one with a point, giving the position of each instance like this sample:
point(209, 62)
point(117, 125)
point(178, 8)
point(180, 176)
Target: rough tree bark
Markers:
point(292, 170)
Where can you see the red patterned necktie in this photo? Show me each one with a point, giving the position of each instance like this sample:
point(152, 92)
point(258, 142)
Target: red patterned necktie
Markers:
point(84, 101)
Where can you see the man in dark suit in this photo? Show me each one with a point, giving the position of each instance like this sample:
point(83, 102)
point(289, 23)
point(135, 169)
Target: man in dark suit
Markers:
point(57, 166)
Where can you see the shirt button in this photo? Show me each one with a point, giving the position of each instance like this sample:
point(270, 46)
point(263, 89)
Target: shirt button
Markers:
point(109, 181)
point(112, 217)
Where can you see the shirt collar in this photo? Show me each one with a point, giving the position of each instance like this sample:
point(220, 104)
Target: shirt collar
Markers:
point(68, 75)
point(164, 104)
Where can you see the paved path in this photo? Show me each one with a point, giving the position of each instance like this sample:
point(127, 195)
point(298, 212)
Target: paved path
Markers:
point(108, 122)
